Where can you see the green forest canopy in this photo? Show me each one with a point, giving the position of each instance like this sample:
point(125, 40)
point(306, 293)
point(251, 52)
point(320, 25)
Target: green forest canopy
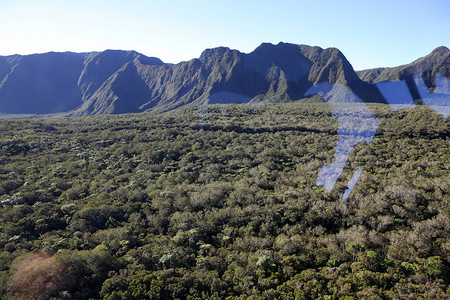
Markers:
point(150, 206)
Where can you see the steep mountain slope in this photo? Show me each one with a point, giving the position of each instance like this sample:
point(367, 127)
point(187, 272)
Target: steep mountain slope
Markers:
point(6, 63)
point(271, 73)
point(116, 81)
point(56, 82)
point(122, 92)
point(41, 83)
point(101, 66)
point(426, 68)
point(126, 81)
point(438, 61)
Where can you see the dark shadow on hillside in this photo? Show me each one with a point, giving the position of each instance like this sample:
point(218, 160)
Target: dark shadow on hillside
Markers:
point(259, 130)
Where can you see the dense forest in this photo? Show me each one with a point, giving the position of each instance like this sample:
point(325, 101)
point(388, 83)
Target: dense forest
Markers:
point(222, 203)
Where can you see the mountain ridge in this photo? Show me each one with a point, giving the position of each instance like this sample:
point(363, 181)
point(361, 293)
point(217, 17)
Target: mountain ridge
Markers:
point(119, 81)
point(437, 57)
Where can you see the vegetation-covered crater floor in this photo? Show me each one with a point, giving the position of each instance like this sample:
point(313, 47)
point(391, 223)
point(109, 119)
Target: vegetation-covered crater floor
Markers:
point(223, 202)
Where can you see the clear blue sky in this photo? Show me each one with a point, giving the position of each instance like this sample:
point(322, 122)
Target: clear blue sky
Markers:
point(369, 33)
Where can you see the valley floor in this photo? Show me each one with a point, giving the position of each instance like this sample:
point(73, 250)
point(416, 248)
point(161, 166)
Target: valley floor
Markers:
point(223, 203)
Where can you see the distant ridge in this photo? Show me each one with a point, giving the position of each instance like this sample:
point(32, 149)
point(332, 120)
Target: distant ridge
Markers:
point(438, 61)
point(116, 81)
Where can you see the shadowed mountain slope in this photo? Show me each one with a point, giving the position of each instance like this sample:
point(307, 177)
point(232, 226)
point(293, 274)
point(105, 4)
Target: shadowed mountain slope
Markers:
point(116, 81)
point(438, 61)
point(41, 83)
point(427, 67)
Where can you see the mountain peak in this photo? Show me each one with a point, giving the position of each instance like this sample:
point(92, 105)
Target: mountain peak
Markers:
point(441, 50)
point(212, 52)
point(281, 46)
